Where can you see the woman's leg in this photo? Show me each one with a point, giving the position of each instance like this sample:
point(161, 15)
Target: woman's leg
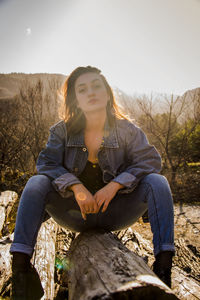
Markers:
point(66, 212)
point(161, 217)
point(26, 282)
point(153, 192)
point(30, 214)
point(160, 212)
point(38, 199)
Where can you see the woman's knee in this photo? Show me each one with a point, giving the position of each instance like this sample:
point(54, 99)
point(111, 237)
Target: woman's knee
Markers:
point(158, 186)
point(156, 180)
point(38, 183)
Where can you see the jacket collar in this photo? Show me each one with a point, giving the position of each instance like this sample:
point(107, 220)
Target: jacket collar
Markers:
point(110, 139)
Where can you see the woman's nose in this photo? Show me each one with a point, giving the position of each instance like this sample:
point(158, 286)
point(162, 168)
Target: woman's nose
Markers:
point(91, 91)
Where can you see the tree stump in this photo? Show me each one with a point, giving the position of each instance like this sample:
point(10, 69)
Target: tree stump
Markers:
point(100, 267)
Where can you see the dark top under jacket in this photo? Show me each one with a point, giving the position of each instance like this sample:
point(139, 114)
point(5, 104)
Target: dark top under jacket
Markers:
point(91, 177)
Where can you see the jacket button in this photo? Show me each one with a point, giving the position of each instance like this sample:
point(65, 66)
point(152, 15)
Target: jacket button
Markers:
point(84, 149)
point(76, 169)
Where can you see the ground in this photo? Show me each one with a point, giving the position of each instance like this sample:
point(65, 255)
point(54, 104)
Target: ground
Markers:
point(186, 263)
point(186, 221)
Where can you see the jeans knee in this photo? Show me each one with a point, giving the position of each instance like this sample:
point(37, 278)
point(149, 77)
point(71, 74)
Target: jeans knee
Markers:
point(156, 180)
point(158, 183)
point(160, 188)
point(38, 183)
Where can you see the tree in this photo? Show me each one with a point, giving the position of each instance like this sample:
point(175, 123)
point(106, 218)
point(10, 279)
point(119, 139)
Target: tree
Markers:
point(25, 122)
point(190, 133)
point(169, 131)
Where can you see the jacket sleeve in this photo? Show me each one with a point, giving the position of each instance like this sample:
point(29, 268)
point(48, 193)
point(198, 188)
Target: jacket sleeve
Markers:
point(142, 159)
point(50, 161)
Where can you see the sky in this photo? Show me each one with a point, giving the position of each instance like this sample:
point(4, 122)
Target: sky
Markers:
point(141, 46)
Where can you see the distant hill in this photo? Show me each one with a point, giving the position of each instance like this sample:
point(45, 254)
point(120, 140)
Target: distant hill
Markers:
point(11, 83)
point(192, 93)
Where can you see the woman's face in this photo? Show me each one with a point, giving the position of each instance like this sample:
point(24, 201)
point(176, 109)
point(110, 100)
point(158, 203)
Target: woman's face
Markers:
point(91, 93)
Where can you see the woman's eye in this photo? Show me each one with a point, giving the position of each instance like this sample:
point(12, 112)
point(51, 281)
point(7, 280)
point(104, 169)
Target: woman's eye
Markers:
point(97, 86)
point(82, 91)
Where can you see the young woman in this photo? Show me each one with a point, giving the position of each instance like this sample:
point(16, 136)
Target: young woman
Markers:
point(97, 170)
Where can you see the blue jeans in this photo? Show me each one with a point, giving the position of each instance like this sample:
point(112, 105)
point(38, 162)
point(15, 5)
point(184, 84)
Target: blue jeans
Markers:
point(39, 201)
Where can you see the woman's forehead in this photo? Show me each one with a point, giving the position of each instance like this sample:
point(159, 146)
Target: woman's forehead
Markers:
point(87, 78)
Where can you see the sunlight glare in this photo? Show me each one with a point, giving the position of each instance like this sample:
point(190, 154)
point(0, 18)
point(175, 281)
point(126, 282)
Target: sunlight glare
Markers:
point(81, 196)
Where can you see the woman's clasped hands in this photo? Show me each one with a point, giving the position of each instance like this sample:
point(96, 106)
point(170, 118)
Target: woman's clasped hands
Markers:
point(91, 204)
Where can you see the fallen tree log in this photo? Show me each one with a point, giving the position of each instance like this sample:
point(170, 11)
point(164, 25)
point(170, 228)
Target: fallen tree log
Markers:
point(185, 271)
point(100, 267)
point(5, 266)
point(43, 258)
point(7, 200)
point(183, 285)
point(186, 264)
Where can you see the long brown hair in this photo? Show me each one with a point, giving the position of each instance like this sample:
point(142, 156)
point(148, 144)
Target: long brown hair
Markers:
point(73, 116)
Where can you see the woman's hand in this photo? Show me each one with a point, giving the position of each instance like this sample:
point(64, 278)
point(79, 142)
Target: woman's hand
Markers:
point(84, 199)
point(106, 194)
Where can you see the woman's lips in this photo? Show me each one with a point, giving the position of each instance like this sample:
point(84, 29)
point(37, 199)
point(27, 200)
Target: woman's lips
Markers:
point(92, 101)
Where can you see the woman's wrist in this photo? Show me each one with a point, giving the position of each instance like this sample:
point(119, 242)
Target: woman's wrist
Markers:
point(76, 187)
point(116, 185)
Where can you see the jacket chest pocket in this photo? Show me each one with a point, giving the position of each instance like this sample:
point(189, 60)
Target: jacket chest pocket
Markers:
point(69, 158)
point(75, 159)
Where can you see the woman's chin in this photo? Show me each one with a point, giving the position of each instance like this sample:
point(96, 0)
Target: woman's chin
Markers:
point(100, 109)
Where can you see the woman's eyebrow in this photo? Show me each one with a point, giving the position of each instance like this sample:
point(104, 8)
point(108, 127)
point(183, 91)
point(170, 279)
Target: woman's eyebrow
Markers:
point(91, 81)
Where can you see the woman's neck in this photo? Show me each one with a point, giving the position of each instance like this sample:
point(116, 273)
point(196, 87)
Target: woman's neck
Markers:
point(95, 121)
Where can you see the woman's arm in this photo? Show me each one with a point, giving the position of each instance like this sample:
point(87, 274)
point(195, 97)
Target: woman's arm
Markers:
point(142, 159)
point(50, 160)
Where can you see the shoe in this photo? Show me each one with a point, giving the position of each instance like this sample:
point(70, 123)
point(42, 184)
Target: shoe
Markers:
point(163, 265)
point(26, 284)
point(163, 274)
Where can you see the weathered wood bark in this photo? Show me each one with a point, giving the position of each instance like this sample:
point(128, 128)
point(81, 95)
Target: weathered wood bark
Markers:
point(43, 258)
point(185, 272)
point(7, 200)
point(183, 285)
point(101, 267)
point(5, 265)
point(186, 264)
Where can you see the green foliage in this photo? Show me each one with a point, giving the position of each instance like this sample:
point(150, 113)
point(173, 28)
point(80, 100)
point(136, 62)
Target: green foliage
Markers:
point(187, 143)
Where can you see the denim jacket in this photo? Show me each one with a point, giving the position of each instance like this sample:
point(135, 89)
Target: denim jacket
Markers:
point(125, 156)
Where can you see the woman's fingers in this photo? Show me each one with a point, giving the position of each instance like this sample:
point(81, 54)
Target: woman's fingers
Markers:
point(83, 214)
point(90, 206)
point(105, 206)
point(100, 202)
point(96, 208)
point(93, 208)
